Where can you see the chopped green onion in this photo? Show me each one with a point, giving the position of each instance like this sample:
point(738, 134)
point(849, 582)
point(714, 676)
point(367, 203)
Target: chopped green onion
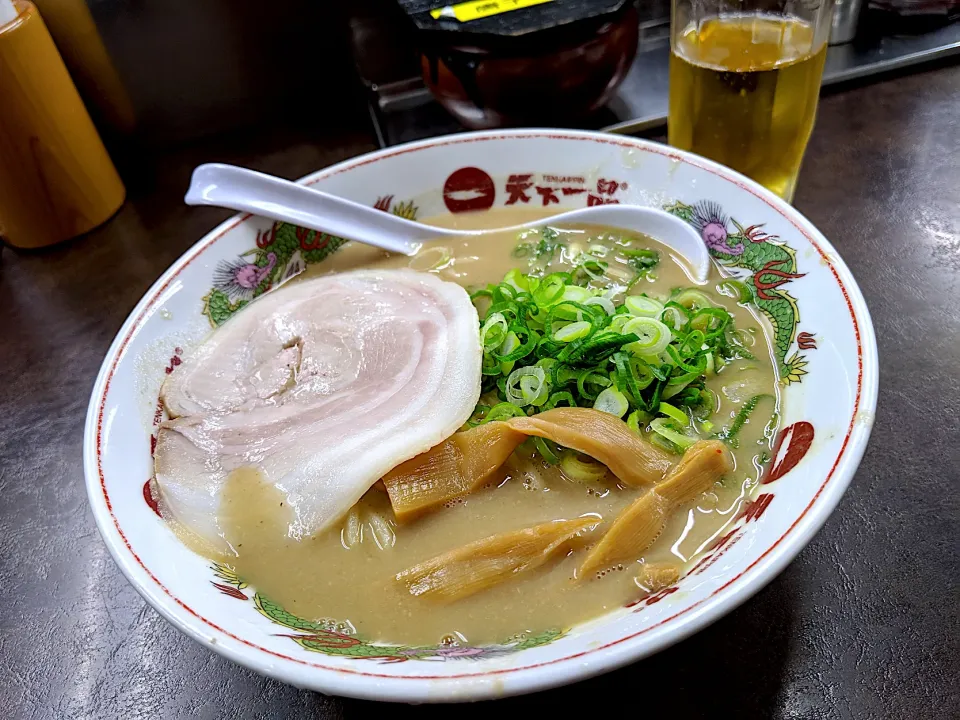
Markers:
point(693, 299)
point(643, 306)
point(662, 427)
point(525, 385)
point(566, 310)
point(693, 370)
point(592, 377)
point(671, 390)
point(642, 260)
point(644, 253)
point(700, 401)
point(549, 342)
point(517, 279)
point(736, 289)
point(573, 331)
point(502, 411)
point(546, 450)
point(510, 343)
point(710, 321)
point(675, 316)
point(597, 347)
point(633, 377)
point(578, 469)
point(744, 337)
point(591, 267)
point(433, 258)
point(603, 302)
point(575, 293)
point(560, 397)
point(693, 343)
point(494, 330)
point(634, 421)
point(550, 290)
point(480, 413)
point(517, 350)
point(660, 372)
point(483, 293)
point(612, 401)
point(654, 336)
point(619, 320)
point(539, 245)
point(675, 413)
point(561, 374)
point(729, 435)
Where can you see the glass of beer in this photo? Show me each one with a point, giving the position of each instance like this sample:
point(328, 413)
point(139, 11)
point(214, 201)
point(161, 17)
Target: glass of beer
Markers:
point(744, 81)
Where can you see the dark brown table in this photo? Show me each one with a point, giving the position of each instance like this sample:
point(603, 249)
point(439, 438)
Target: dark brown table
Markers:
point(863, 624)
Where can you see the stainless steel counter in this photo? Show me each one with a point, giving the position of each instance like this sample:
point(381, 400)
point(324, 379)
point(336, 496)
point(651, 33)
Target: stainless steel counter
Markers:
point(642, 99)
point(407, 111)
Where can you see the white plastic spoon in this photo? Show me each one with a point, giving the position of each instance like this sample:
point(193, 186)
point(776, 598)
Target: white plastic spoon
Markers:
point(277, 199)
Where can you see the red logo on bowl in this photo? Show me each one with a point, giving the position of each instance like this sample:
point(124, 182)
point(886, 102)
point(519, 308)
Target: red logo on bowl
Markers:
point(468, 189)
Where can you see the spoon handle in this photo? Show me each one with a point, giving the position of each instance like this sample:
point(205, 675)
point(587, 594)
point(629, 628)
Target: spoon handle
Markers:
point(271, 197)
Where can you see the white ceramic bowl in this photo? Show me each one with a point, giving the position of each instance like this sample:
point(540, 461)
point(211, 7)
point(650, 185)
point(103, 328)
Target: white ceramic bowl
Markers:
point(825, 342)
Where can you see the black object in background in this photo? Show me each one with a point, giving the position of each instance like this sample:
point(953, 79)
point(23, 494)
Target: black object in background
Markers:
point(194, 69)
point(550, 63)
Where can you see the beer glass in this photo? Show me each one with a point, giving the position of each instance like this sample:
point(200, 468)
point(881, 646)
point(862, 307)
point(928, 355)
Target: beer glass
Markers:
point(744, 82)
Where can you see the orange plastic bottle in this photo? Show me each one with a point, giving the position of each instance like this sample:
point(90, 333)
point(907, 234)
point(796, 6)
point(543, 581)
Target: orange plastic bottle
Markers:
point(56, 179)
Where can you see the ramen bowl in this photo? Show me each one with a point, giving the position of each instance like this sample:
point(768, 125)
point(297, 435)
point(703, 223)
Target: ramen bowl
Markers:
point(822, 340)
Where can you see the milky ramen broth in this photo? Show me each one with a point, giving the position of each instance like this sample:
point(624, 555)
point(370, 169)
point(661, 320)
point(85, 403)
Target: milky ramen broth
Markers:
point(334, 577)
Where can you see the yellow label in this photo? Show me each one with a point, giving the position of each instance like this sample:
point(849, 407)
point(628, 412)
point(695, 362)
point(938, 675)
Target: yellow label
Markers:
point(464, 12)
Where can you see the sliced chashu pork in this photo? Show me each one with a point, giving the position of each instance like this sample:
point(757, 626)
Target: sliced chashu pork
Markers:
point(324, 386)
